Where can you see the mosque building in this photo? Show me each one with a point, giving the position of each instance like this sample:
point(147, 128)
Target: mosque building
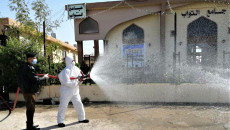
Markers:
point(166, 32)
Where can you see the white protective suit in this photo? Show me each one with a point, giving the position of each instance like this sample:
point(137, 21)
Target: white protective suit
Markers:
point(70, 91)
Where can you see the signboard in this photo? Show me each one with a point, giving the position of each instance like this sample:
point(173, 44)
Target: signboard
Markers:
point(134, 54)
point(190, 13)
point(76, 11)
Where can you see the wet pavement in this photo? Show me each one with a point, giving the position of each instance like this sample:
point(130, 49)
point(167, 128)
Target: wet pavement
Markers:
point(125, 116)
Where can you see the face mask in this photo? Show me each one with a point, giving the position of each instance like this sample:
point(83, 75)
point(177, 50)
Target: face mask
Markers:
point(34, 61)
point(73, 63)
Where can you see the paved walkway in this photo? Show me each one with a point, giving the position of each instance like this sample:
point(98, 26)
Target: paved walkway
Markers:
point(125, 117)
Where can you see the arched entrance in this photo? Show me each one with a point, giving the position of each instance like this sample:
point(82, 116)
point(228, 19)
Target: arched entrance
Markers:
point(133, 46)
point(202, 42)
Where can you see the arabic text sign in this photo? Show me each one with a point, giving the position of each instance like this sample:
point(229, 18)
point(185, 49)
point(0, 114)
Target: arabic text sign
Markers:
point(190, 13)
point(134, 54)
point(76, 11)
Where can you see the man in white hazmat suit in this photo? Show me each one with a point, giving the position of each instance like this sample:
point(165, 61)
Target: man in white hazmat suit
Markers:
point(70, 91)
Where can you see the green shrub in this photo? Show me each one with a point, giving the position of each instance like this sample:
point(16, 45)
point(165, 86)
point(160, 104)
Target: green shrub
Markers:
point(85, 100)
point(12, 56)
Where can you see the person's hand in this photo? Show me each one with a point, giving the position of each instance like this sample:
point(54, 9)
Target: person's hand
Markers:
point(46, 76)
point(79, 77)
point(80, 82)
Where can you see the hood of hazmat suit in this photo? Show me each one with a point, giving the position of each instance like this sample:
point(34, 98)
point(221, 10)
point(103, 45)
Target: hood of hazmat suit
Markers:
point(68, 61)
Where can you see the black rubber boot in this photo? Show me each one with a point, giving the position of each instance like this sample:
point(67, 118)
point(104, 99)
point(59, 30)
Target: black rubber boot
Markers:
point(61, 125)
point(33, 128)
point(84, 121)
point(30, 126)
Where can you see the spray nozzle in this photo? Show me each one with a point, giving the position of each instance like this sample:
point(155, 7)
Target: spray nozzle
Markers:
point(84, 77)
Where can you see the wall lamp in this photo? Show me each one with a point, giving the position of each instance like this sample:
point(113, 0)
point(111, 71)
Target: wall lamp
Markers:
point(223, 41)
point(149, 44)
point(228, 27)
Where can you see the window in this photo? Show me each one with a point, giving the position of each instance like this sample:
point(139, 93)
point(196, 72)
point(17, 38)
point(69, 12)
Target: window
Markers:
point(202, 42)
point(88, 25)
point(3, 40)
point(63, 54)
point(133, 35)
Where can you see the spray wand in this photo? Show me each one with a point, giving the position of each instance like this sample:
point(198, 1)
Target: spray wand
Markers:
point(80, 78)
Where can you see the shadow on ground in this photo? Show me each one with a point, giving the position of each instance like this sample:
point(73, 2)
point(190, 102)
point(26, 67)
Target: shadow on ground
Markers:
point(56, 126)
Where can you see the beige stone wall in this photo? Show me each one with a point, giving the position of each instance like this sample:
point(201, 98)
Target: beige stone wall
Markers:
point(46, 93)
point(198, 93)
point(151, 26)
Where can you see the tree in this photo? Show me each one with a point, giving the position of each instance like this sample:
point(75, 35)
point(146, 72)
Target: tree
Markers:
point(41, 14)
point(12, 56)
point(22, 11)
point(22, 39)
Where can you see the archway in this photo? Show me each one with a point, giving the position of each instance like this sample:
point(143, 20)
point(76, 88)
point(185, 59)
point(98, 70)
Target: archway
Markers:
point(133, 35)
point(133, 48)
point(88, 26)
point(202, 42)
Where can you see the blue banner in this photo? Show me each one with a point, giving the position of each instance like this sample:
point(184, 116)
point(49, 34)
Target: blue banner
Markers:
point(134, 54)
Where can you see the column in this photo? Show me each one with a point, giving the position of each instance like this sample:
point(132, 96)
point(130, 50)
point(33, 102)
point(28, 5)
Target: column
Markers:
point(105, 46)
point(96, 49)
point(80, 51)
point(162, 30)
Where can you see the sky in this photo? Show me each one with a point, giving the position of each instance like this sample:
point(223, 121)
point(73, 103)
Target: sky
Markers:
point(65, 32)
